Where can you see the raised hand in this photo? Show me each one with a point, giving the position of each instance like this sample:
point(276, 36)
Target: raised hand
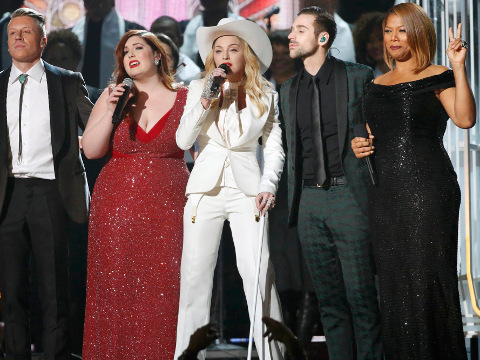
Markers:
point(457, 48)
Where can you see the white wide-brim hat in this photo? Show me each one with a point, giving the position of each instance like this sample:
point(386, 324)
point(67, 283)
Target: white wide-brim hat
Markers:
point(253, 34)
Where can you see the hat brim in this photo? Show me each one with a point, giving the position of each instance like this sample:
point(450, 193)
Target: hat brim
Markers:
point(247, 30)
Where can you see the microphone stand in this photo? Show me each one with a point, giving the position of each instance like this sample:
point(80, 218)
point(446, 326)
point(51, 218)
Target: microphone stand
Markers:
point(269, 23)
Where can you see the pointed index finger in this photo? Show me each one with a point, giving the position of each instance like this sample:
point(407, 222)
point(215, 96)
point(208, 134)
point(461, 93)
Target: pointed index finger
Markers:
point(459, 30)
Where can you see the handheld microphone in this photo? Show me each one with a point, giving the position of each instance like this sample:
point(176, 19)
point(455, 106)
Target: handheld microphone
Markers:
point(122, 100)
point(274, 10)
point(217, 80)
point(360, 130)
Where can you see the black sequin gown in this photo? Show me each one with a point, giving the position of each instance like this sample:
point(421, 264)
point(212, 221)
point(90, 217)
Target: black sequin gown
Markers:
point(413, 215)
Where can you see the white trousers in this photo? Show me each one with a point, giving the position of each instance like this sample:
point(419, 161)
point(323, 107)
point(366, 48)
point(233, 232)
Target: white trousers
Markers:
point(200, 249)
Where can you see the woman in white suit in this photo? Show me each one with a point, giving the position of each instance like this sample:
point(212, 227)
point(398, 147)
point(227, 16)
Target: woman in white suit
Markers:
point(226, 182)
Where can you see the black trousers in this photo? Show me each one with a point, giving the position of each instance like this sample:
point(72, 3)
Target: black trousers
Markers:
point(34, 220)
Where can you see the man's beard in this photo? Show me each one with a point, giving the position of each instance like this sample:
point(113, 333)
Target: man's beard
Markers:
point(302, 52)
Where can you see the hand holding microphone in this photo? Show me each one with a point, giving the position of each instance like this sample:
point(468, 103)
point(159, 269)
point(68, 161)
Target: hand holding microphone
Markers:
point(118, 98)
point(363, 148)
point(216, 78)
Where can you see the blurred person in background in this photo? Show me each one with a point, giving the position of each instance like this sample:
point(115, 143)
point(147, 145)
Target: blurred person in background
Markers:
point(171, 50)
point(99, 32)
point(283, 67)
point(368, 38)
point(186, 69)
point(213, 11)
point(64, 50)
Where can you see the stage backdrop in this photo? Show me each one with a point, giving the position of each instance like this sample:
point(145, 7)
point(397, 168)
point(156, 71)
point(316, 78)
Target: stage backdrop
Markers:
point(65, 13)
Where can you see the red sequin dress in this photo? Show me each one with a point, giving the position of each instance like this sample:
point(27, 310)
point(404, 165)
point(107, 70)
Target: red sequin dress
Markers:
point(135, 244)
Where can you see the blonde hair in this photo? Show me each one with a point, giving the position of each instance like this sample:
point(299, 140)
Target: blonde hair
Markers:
point(255, 84)
point(421, 36)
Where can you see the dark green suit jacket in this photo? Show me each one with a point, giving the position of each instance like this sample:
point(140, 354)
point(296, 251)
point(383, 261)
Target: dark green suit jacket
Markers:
point(350, 83)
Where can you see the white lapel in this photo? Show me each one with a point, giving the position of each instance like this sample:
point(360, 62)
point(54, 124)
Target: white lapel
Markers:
point(212, 129)
point(252, 124)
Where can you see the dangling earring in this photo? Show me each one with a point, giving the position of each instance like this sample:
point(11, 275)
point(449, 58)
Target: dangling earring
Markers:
point(156, 62)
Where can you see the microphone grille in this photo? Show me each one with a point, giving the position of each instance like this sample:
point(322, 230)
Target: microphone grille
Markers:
point(128, 82)
point(225, 66)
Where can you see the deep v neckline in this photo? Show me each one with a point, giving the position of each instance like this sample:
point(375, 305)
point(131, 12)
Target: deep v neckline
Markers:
point(147, 136)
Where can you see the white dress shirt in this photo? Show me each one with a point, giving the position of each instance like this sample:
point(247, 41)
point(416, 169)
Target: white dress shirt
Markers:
point(37, 155)
point(230, 126)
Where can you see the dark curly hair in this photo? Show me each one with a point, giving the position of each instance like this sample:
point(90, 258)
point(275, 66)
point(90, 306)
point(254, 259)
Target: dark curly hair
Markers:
point(165, 39)
point(67, 38)
point(364, 26)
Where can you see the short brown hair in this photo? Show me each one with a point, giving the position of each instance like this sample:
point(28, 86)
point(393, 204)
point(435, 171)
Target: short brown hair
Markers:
point(421, 36)
point(324, 21)
point(39, 18)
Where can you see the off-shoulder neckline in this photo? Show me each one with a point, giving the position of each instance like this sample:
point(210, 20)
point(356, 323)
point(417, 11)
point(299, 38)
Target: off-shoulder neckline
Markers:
point(413, 81)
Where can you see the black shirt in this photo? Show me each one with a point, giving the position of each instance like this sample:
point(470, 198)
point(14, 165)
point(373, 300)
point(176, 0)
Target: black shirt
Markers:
point(328, 111)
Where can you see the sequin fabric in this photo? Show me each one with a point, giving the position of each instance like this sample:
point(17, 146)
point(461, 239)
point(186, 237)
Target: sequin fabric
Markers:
point(135, 244)
point(413, 216)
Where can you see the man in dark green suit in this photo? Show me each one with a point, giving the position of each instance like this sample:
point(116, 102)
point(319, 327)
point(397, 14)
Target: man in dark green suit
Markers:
point(328, 186)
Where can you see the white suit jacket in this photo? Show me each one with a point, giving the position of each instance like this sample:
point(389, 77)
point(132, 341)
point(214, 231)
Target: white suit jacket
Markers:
point(198, 122)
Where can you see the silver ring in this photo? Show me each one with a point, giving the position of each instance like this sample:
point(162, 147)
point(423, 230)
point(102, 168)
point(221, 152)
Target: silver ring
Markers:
point(464, 44)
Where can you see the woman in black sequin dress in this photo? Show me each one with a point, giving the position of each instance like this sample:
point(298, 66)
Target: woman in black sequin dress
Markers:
point(414, 209)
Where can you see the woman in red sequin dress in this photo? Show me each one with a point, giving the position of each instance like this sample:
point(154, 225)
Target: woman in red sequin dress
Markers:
point(135, 231)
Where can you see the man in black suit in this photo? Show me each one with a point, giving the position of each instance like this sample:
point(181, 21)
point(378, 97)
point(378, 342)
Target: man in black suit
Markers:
point(42, 184)
point(327, 186)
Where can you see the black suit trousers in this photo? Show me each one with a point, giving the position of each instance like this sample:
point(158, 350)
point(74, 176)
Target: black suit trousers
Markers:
point(34, 220)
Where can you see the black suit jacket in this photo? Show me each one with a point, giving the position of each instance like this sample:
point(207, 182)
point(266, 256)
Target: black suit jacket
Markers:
point(69, 109)
point(350, 83)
